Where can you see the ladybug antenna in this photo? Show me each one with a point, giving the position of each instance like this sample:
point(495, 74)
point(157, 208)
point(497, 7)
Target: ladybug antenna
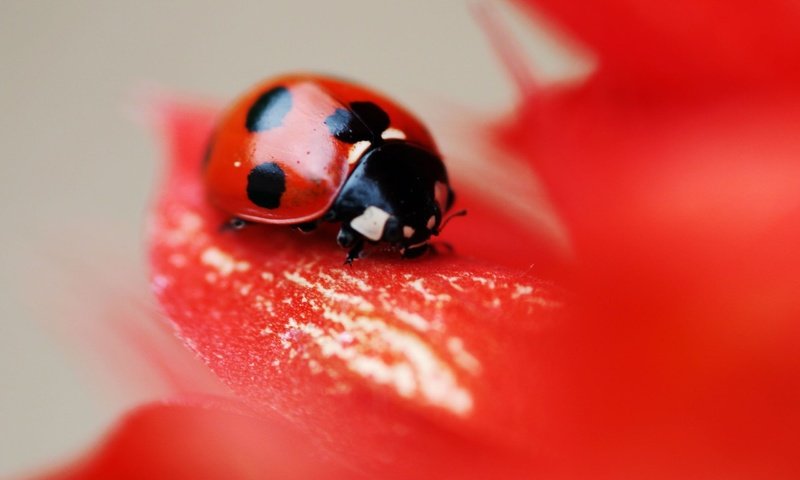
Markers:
point(459, 213)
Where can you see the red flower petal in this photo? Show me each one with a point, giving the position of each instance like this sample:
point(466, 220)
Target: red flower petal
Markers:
point(700, 45)
point(191, 441)
point(389, 361)
point(678, 185)
point(674, 171)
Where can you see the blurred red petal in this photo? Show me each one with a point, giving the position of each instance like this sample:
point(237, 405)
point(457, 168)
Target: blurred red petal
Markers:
point(678, 185)
point(202, 442)
point(706, 46)
point(388, 361)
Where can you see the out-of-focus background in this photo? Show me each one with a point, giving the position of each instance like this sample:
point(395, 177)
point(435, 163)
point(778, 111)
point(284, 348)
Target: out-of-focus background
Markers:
point(76, 169)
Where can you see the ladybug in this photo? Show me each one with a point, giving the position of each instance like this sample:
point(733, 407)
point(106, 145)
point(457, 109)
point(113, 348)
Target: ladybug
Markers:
point(304, 149)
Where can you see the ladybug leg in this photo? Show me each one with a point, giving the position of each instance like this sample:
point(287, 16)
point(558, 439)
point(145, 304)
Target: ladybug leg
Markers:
point(349, 238)
point(355, 252)
point(441, 247)
point(346, 237)
point(234, 223)
point(307, 226)
point(415, 251)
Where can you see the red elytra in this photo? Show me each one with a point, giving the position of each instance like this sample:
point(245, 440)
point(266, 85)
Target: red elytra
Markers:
point(315, 163)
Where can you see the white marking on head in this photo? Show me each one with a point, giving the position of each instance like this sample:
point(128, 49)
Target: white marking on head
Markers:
point(408, 232)
point(357, 150)
point(431, 222)
point(371, 223)
point(393, 134)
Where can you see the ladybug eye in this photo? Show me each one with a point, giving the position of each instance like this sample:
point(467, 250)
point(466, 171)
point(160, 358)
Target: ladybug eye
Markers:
point(408, 232)
point(392, 230)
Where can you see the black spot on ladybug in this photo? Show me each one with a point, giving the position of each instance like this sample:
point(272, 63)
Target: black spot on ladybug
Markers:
point(363, 121)
point(372, 115)
point(269, 110)
point(265, 185)
point(344, 126)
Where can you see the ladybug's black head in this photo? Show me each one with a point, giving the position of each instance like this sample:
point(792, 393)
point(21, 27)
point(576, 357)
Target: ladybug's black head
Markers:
point(398, 194)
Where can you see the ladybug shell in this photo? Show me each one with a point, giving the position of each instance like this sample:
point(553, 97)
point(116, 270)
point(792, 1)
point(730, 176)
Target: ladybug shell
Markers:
point(274, 159)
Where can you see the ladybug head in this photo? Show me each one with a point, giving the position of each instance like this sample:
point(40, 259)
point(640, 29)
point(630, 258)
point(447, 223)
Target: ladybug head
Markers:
point(397, 194)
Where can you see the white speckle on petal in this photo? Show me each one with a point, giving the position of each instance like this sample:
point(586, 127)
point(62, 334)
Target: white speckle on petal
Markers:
point(463, 358)
point(186, 230)
point(359, 302)
point(452, 281)
point(177, 260)
point(160, 282)
point(222, 262)
point(413, 319)
point(419, 286)
point(521, 290)
point(395, 358)
point(359, 283)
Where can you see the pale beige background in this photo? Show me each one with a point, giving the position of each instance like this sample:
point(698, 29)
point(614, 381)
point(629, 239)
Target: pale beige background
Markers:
point(76, 171)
